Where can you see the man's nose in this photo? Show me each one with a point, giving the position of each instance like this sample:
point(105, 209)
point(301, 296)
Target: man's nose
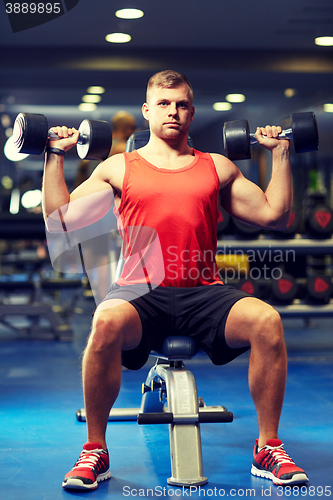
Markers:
point(173, 110)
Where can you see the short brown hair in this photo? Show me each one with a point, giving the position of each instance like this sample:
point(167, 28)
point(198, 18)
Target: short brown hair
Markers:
point(169, 79)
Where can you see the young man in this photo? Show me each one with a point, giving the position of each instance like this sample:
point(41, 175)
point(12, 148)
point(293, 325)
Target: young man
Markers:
point(174, 189)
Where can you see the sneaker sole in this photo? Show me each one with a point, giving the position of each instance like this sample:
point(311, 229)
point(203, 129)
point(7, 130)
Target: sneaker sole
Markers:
point(298, 479)
point(77, 484)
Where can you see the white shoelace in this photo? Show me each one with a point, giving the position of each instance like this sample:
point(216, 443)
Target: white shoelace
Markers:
point(280, 454)
point(87, 459)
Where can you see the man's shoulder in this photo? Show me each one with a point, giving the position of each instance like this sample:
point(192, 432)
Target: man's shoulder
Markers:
point(113, 161)
point(217, 157)
point(111, 170)
point(222, 161)
point(226, 169)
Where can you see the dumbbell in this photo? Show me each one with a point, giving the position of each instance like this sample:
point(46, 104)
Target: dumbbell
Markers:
point(223, 222)
point(31, 134)
point(319, 221)
point(245, 230)
point(284, 289)
point(303, 131)
point(319, 288)
point(249, 286)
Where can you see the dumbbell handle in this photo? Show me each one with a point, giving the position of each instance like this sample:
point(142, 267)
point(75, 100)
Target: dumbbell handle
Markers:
point(285, 134)
point(53, 136)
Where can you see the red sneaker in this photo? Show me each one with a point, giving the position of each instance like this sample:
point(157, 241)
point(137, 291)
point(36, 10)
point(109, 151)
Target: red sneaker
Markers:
point(272, 462)
point(91, 468)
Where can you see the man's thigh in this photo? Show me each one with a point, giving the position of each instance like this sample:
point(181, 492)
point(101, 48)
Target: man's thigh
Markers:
point(242, 319)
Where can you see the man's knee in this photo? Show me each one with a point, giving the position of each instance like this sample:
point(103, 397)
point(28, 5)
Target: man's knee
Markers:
point(252, 321)
point(106, 332)
point(268, 329)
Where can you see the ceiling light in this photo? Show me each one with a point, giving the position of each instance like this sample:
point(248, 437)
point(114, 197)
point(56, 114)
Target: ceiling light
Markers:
point(11, 152)
point(91, 98)
point(222, 106)
point(118, 38)
point(31, 199)
point(324, 41)
point(86, 106)
point(7, 182)
point(5, 121)
point(235, 97)
point(328, 108)
point(95, 90)
point(14, 204)
point(129, 13)
point(290, 92)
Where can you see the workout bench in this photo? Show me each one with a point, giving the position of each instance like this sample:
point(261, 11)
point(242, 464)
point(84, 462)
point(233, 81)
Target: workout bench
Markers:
point(170, 397)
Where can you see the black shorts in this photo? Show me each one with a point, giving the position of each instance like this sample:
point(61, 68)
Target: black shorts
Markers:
point(200, 313)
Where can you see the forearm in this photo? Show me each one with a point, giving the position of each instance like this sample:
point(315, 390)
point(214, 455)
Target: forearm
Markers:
point(63, 211)
point(54, 189)
point(88, 203)
point(279, 192)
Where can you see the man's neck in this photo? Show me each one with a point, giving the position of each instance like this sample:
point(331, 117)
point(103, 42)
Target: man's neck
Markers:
point(167, 148)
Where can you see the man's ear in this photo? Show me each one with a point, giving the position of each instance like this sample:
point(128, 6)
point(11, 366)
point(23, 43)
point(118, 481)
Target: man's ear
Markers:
point(145, 111)
point(192, 113)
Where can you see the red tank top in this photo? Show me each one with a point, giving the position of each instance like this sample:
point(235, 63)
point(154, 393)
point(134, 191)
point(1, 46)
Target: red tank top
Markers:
point(168, 221)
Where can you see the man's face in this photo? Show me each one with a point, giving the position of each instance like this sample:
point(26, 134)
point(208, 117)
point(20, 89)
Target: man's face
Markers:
point(169, 111)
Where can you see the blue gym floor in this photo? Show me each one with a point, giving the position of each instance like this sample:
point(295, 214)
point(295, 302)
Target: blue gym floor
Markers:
point(40, 389)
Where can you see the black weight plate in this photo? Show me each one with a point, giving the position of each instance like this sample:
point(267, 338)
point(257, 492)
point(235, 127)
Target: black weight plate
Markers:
point(223, 222)
point(30, 133)
point(97, 141)
point(319, 287)
point(305, 132)
point(236, 140)
point(246, 230)
point(285, 288)
point(249, 286)
point(319, 221)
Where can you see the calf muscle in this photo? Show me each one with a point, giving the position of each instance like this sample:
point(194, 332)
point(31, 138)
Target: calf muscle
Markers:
point(115, 328)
